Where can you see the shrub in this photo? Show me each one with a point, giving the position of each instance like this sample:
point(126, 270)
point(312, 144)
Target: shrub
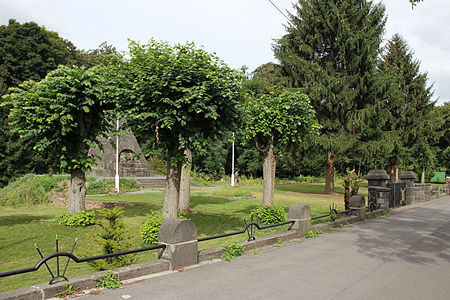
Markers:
point(268, 215)
point(104, 186)
point(82, 219)
point(108, 281)
point(29, 190)
point(150, 228)
point(113, 237)
point(158, 164)
point(309, 179)
point(232, 250)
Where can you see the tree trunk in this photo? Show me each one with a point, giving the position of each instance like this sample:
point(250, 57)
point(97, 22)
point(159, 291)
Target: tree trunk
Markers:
point(393, 165)
point(329, 180)
point(269, 166)
point(172, 195)
point(77, 191)
point(185, 185)
point(423, 175)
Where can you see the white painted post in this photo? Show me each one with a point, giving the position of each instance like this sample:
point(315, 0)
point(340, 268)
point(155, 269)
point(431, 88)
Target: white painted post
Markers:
point(117, 179)
point(232, 163)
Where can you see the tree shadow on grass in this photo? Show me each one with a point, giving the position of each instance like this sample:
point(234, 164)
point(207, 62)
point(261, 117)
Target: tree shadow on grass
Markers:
point(21, 219)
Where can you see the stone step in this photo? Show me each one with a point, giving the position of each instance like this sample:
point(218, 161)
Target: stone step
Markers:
point(152, 182)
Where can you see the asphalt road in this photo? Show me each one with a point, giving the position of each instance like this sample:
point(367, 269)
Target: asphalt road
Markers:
point(402, 256)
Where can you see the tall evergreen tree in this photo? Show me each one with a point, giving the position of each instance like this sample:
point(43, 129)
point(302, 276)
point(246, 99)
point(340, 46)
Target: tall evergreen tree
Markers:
point(410, 108)
point(330, 52)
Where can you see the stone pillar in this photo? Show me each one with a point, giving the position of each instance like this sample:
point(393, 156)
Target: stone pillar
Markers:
point(358, 204)
point(180, 238)
point(408, 177)
point(378, 192)
point(301, 214)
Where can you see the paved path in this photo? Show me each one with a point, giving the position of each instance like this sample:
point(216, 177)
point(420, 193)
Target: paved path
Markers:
point(402, 256)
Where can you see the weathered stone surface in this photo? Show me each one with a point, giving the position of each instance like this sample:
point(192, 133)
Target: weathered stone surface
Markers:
point(407, 176)
point(377, 178)
point(28, 293)
point(174, 231)
point(180, 238)
point(301, 214)
point(132, 162)
point(358, 204)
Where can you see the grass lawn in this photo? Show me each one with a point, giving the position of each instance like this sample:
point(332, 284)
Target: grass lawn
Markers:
point(21, 228)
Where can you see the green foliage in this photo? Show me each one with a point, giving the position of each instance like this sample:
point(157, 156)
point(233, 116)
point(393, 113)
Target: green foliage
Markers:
point(68, 291)
point(28, 190)
point(104, 186)
point(150, 228)
point(183, 93)
point(313, 233)
point(109, 281)
point(64, 114)
point(113, 237)
point(309, 179)
point(232, 250)
point(279, 119)
point(80, 219)
point(158, 164)
point(268, 215)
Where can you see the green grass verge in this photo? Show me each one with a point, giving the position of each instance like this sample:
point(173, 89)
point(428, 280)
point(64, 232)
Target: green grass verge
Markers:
point(22, 227)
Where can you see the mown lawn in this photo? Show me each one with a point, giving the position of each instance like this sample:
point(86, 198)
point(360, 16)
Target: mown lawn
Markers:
point(21, 228)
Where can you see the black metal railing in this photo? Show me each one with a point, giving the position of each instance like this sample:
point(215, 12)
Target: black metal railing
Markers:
point(249, 228)
point(70, 256)
point(333, 213)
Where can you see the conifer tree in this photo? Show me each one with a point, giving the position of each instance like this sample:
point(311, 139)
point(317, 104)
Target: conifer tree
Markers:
point(410, 107)
point(330, 52)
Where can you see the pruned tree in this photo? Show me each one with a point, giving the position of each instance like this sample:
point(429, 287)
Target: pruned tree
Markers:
point(64, 114)
point(179, 95)
point(272, 121)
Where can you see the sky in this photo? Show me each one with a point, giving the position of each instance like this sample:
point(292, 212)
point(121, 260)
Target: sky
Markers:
point(240, 32)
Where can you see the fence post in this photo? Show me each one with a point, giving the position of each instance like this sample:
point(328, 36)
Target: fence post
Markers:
point(358, 204)
point(180, 238)
point(301, 214)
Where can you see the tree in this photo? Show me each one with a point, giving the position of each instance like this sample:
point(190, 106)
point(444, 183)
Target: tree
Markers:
point(330, 52)
point(180, 96)
point(271, 121)
point(410, 107)
point(27, 52)
point(64, 114)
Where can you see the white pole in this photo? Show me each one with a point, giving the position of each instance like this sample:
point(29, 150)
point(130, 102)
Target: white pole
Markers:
point(117, 179)
point(232, 163)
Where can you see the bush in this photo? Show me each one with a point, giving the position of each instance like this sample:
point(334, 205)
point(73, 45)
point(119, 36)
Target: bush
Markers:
point(97, 186)
point(29, 190)
point(232, 250)
point(81, 219)
point(150, 228)
point(309, 179)
point(158, 165)
point(268, 215)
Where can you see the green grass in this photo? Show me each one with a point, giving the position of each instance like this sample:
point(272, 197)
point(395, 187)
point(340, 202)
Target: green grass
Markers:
point(22, 227)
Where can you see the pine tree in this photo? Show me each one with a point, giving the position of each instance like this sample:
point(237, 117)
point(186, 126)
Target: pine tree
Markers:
point(410, 107)
point(330, 52)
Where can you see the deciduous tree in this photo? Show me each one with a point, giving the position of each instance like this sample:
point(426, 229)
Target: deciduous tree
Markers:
point(271, 121)
point(64, 114)
point(179, 95)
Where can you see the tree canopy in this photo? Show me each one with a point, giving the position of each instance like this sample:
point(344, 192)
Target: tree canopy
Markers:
point(64, 114)
point(180, 96)
point(273, 120)
point(329, 53)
